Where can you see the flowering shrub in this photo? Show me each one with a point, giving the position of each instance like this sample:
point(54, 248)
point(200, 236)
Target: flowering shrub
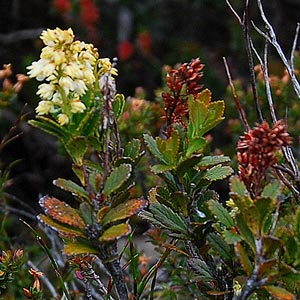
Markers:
point(246, 248)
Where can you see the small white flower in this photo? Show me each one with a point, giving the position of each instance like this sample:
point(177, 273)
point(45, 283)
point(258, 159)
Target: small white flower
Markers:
point(44, 107)
point(79, 87)
point(77, 106)
point(41, 69)
point(67, 84)
point(46, 91)
point(63, 119)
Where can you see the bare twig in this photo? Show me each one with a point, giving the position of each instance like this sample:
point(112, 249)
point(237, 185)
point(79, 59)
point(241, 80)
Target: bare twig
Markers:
point(271, 37)
point(235, 97)
point(244, 23)
point(292, 58)
point(264, 67)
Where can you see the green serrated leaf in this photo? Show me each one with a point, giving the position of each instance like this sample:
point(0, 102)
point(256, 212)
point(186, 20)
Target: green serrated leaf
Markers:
point(221, 213)
point(76, 248)
point(237, 186)
point(271, 190)
point(231, 237)
point(218, 172)
point(215, 116)
point(218, 244)
point(124, 211)
point(244, 258)
point(72, 187)
point(115, 232)
point(201, 269)
point(50, 126)
point(169, 147)
point(187, 163)
point(210, 161)
point(118, 105)
point(158, 169)
point(76, 147)
point(265, 207)
point(297, 224)
point(132, 149)
point(166, 218)
point(117, 178)
point(196, 144)
point(152, 147)
point(89, 123)
point(86, 212)
point(245, 231)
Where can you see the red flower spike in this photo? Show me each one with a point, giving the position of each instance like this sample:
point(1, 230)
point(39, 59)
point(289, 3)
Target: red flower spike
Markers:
point(257, 152)
point(182, 82)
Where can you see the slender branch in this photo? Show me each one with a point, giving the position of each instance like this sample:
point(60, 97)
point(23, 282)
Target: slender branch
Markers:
point(292, 58)
point(235, 97)
point(244, 23)
point(271, 37)
point(264, 67)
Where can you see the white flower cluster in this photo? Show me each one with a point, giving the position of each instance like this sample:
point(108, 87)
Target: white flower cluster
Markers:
point(67, 68)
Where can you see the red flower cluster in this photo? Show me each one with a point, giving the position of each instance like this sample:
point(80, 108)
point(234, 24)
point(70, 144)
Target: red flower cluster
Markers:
point(90, 13)
point(125, 50)
point(181, 82)
point(62, 6)
point(257, 152)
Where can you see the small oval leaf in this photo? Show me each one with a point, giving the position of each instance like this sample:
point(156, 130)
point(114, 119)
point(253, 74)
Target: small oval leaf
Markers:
point(61, 212)
point(115, 232)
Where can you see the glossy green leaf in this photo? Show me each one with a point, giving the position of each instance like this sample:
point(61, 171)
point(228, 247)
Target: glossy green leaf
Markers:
point(237, 186)
point(152, 147)
point(86, 212)
point(72, 187)
point(213, 160)
point(169, 148)
point(220, 213)
point(158, 169)
point(115, 232)
point(124, 211)
point(245, 231)
point(244, 258)
point(220, 246)
point(279, 292)
point(89, 123)
point(117, 178)
point(218, 172)
point(231, 237)
point(50, 126)
point(204, 114)
point(118, 105)
point(251, 216)
point(195, 145)
point(297, 224)
point(62, 229)
point(215, 116)
point(75, 248)
point(132, 149)
point(265, 207)
point(164, 217)
point(76, 147)
point(201, 269)
point(271, 190)
point(187, 163)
